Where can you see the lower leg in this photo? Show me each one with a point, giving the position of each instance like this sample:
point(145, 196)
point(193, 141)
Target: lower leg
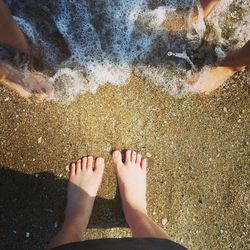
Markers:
point(143, 226)
point(131, 177)
point(85, 179)
point(208, 6)
point(238, 59)
point(10, 34)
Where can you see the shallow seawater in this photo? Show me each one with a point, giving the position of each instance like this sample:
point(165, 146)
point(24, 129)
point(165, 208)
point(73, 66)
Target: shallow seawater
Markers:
point(198, 174)
point(83, 44)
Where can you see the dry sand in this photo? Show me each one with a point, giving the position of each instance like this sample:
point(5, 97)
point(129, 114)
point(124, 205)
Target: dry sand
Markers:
point(198, 175)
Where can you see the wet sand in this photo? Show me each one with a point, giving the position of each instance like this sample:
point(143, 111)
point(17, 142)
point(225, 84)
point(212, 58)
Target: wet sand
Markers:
point(198, 175)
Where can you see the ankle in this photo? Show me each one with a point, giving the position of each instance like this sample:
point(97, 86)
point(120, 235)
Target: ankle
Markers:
point(134, 213)
point(73, 229)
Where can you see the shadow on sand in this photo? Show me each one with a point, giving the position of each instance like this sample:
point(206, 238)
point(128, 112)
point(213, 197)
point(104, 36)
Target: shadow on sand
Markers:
point(32, 209)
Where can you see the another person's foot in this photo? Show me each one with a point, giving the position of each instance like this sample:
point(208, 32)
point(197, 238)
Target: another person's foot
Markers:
point(131, 176)
point(84, 181)
point(212, 79)
point(25, 84)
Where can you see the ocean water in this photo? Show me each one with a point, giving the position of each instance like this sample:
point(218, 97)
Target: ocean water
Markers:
point(84, 44)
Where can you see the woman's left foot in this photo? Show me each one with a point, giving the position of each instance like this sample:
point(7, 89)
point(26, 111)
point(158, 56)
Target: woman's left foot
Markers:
point(25, 83)
point(84, 182)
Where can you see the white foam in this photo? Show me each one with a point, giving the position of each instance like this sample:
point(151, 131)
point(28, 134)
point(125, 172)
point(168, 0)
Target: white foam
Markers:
point(104, 41)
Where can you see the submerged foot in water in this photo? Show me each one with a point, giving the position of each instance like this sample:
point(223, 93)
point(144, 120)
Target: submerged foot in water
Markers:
point(212, 79)
point(131, 176)
point(25, 84)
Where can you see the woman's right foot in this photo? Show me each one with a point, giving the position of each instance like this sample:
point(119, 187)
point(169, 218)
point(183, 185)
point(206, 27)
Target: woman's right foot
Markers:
point(212, 79)
point(131, 176)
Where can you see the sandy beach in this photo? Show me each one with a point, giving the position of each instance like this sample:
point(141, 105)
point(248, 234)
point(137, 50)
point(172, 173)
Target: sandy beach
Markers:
point(197, 146)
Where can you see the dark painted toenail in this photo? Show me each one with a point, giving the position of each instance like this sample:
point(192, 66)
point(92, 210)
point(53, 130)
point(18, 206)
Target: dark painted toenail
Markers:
point(43, 90)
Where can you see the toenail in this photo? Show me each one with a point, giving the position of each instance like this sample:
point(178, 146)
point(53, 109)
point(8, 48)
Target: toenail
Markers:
point(43, 90)
point(116, 153)
point(100, 160)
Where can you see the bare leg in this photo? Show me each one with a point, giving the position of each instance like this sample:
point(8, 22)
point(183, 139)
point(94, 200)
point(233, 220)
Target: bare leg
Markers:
point(10, 34)
point(238, 59)
point(217, 76)
point(131, 177)
point(84, 182)
point(208, 6)
point(24, 83)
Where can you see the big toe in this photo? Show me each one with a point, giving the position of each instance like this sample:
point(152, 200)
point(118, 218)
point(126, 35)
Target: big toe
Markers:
point(117, 157)
point(99, 165)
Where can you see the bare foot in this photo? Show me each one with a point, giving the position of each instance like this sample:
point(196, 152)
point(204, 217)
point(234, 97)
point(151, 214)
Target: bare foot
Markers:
point(212, 79)
point(25, 84)
point(131, 177)
point(84, 182)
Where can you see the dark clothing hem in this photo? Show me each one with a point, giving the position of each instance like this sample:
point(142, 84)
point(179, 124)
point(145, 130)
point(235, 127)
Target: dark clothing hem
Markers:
point(123, 244)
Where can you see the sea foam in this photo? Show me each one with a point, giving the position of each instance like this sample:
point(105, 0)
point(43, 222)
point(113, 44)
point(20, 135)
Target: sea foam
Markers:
point(88, 43)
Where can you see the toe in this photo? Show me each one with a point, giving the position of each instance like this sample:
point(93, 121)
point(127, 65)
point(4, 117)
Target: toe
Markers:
point(128, 156)
point(99, 165)
point(84, 163)
point(133, 157)
point(117, 157)
point(79, 166)
point(72, 170)
point(144, 164)
point(90, 163)
point(138, 159)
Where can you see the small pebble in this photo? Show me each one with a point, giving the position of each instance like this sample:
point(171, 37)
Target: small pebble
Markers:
point(36, 175)
point(6, 99)
point(225, 109)
point(148, 155)
point(14, 231)
point(39, 140)
point(48, 210)
point(27, 234)
point(164, 221)
point(56, 224)
point(67, 168)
